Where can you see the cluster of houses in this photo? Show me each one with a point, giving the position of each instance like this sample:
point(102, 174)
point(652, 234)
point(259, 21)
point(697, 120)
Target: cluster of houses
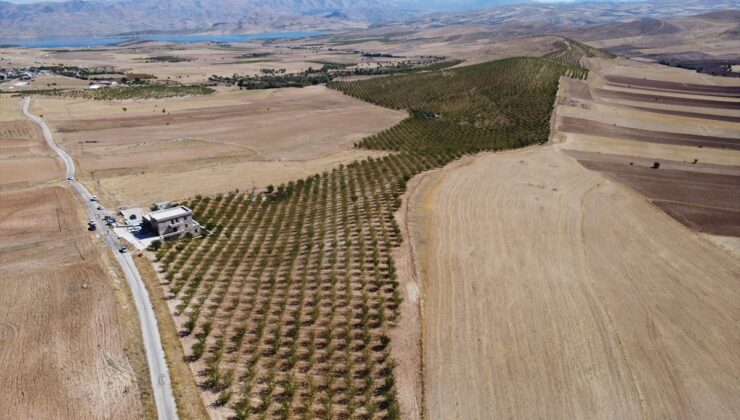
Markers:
point(26, 74)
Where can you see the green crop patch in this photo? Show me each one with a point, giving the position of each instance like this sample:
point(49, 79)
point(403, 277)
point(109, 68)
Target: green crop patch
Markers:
point(493, 105)
point(289, 302)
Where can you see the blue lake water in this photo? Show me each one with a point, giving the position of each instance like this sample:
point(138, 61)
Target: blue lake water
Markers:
point(98, 42)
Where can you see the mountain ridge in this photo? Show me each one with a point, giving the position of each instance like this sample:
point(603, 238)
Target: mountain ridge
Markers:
point(114, 18)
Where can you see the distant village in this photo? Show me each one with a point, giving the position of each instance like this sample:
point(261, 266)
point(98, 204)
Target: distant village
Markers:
point(99, 77)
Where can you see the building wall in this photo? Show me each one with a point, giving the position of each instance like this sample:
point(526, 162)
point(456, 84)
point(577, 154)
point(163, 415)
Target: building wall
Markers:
point(167, 228)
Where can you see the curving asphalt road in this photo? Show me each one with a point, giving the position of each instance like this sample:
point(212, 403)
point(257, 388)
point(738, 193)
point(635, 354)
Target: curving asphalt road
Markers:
point(163, 396)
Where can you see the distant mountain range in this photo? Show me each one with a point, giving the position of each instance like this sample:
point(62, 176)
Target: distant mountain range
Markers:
point(110, 17)
point(141, 17)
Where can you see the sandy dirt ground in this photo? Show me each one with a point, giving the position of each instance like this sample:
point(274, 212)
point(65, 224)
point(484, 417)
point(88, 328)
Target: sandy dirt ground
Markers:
point(64, 353)
point(552, 292)
point(206, 145)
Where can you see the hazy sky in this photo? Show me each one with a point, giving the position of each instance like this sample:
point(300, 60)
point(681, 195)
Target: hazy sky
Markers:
point(28, 1)
point(452, 1)
point(39, 1)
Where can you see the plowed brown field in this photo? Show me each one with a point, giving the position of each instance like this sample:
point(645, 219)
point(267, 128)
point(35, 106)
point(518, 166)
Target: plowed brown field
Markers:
point(695, 144)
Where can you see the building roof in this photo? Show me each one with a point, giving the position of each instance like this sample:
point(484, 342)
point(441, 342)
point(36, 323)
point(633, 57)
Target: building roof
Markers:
point(132, 214)
point(171, 213)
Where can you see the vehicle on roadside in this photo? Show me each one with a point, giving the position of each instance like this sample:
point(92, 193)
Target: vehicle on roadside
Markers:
point(92, 225)
point(94, 198)
point(100, 208)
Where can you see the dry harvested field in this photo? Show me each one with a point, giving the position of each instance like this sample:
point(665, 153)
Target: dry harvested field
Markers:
point(65, 352)
point(690, 196)
point(663, 99)
point(621, 125)
point(69, 339)
point(24, 158)
point(552, 292)
point(584, 299)
point(230, 140)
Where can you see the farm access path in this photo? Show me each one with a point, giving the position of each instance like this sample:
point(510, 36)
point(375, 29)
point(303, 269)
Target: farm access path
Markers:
point(161, 384)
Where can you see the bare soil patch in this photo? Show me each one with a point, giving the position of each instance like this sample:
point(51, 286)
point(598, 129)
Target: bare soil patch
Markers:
point(712, 220)
point(729, 91)
point(652, 152)
point(647, 162)
point(31, 170)
point(663, 99)
point(689, 114)
point(697, 148)
point(687, 190)
point(585, 126)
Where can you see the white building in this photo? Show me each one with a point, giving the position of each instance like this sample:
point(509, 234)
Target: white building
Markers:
point(172, 222)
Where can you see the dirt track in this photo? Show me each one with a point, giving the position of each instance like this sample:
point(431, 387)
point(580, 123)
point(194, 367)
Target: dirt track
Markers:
point(552, 292)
